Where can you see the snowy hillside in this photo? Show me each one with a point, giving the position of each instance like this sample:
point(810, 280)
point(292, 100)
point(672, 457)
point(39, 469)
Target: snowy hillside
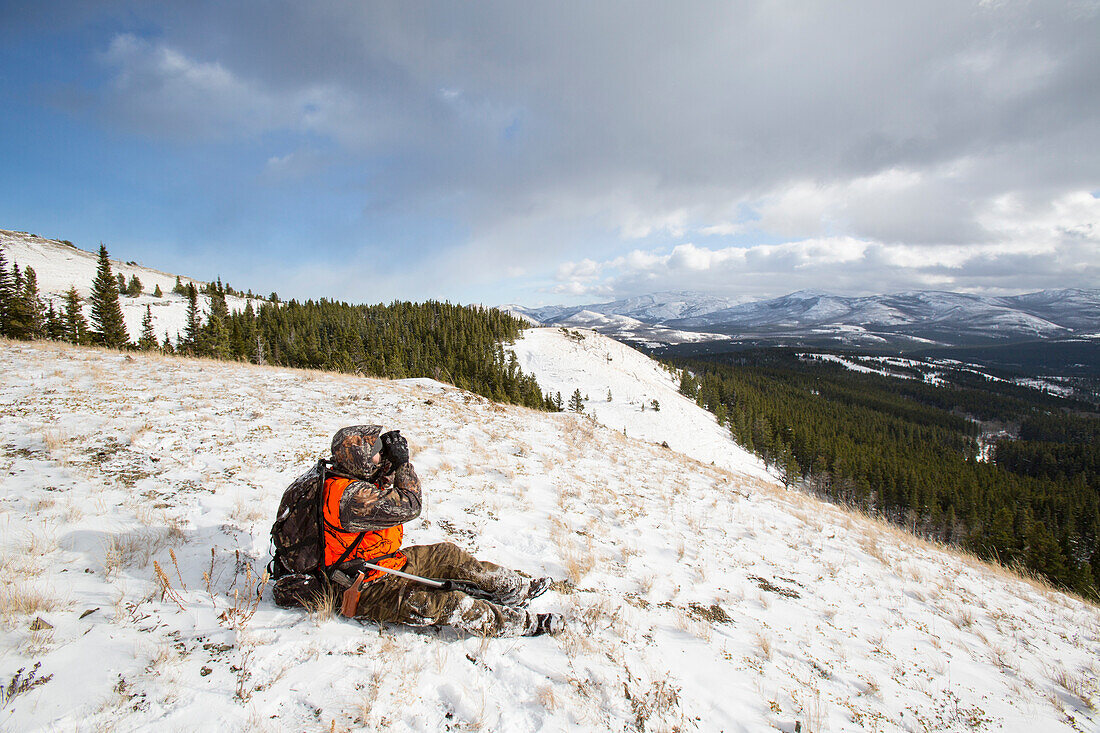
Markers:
point(59, 266)
point(137, 493)
point(564, 360)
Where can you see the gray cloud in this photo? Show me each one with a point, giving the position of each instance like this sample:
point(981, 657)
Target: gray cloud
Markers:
point(587, 124)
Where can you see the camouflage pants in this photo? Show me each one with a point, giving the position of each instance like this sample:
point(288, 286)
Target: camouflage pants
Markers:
point(391, 599)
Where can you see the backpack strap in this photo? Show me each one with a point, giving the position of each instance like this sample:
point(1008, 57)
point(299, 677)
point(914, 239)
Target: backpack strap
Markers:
point(325, 472)
point(322, 464)
point(350, 549)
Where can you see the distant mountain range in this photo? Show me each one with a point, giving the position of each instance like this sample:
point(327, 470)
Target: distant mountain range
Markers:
point(910, 319)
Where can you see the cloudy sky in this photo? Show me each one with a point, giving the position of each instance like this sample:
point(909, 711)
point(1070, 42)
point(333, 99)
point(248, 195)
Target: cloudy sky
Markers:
point(562, 152)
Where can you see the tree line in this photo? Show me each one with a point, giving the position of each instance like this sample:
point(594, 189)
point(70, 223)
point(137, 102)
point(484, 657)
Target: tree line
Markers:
point(458, 344)
point(908, 451)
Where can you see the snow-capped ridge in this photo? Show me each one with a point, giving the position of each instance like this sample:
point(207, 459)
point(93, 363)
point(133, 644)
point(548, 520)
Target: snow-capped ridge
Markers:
point(905, 317)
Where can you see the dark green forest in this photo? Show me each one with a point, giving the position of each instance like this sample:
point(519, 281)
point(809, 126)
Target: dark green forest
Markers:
point(908, 451)
point(461, 345)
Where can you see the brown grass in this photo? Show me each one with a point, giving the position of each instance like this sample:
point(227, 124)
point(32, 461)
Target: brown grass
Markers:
point(764, 644)
point(21, 599)
point(322, 606)
point(1076, 685)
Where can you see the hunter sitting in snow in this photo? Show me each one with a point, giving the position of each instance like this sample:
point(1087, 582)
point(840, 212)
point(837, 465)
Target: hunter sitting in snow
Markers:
point(342, 514)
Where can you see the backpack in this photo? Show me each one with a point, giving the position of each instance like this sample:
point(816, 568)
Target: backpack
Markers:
point(297, 565)
point(298, 537)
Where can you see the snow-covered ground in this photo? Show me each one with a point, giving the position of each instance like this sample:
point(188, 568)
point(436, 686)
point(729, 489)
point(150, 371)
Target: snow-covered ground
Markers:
point(567, 359)
point(136, 494)
point(59, 266)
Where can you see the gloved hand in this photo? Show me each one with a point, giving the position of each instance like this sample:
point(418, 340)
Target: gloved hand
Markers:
point(395, 448)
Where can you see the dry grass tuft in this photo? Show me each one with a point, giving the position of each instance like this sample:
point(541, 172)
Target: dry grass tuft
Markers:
point(322, 606)
point(546, 697)
point(21, 599)
point(764, 644)
point(56, 440)
point(573, 560)
point(1078, 686)
point(964, 619)
point(138, 548)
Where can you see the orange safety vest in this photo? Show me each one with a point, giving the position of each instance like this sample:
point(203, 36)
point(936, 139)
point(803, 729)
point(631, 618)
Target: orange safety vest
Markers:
point(374, 544)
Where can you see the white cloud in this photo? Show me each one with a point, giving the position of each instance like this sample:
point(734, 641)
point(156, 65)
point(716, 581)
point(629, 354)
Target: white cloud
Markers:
point(1046, 241)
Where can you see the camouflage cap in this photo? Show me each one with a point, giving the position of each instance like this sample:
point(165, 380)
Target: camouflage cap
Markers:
point(353, 448)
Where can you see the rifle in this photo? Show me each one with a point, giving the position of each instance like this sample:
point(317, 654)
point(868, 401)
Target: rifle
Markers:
point(354, 590)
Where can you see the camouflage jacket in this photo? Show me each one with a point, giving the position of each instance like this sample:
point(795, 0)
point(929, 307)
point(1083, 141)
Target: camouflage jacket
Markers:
point(388, 498)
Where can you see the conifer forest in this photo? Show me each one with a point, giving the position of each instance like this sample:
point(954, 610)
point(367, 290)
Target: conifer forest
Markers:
point(1002, 470)
point(460, 345)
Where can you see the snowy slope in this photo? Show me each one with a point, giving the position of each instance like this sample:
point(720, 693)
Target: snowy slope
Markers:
point(59, 266)
point(564, 360)
point(701, 598)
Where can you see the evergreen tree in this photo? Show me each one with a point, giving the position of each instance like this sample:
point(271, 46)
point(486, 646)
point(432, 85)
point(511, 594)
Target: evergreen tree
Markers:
point(215, 334)
point(33, 306)
point(157, 292)
point(19, 324)
point(133, 288)
point(148, 340)
point(576, 402)
point(687, 384)
point(178, 289)
point(74, 325)
point(655, 405)
point(55, 327)
point(191, 333)
point(121, 283)
point(110, 328)
point(608, 394)
point(6, 291)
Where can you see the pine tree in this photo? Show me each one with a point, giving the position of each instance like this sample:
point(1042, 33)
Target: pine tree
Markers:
point(6, 288)
point(133, 288)
point(193, 323)
point(148, 340)
point(121, 283)
point(608, 394)
point(214, 336)
point(32, 306)
point(19, 316)
point(576, 402)
point(178, 289)
point(74, 325)
point(110, 328)
point(55, 327)
point(157, 292)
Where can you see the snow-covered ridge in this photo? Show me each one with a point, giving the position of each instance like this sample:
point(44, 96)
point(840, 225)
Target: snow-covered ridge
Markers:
point(702, 598)
point(621, 385)
point(58, 266)
point(907, 318)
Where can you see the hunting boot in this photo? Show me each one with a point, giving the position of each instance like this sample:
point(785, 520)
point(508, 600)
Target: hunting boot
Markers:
point(520, 595)
point(546, 623)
